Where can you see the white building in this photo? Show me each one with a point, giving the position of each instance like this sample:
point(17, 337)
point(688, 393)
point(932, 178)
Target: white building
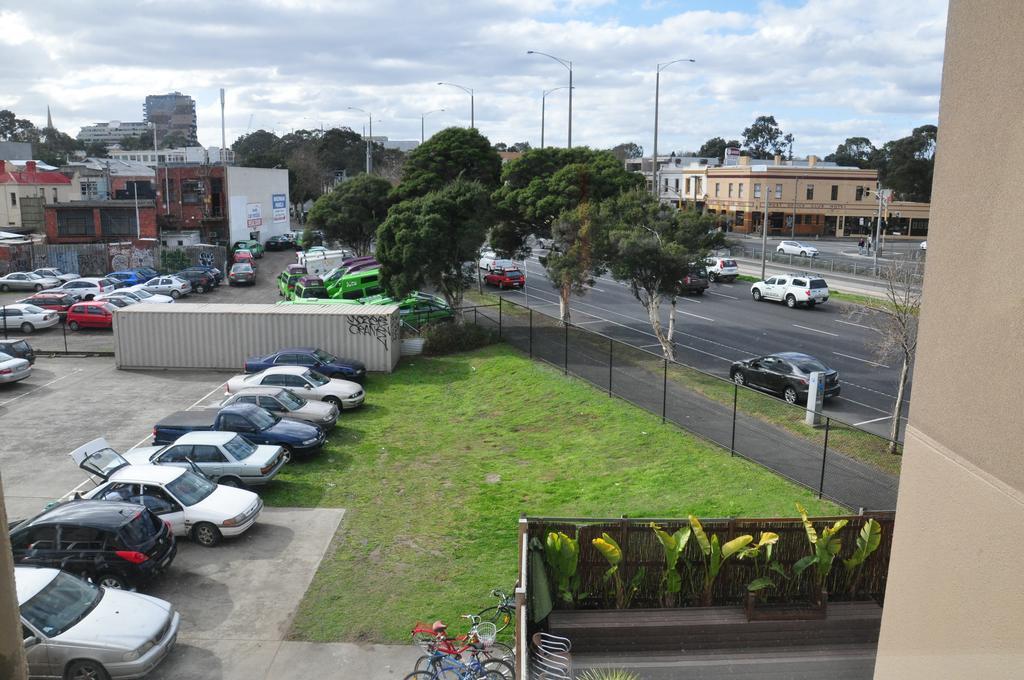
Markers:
point(187, 154)
point(112, 132)
point(257, 203)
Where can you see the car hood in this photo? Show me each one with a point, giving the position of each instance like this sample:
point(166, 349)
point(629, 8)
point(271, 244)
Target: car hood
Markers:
point(141, 455)
point(348, 364)
point(320, 410)
point(341, 388)
point(222, 504)
point(288, 427)
point(121, 620)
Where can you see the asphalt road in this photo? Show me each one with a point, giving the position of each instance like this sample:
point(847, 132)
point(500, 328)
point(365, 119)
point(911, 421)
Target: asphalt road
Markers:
point(844, 250)
point(725, 324)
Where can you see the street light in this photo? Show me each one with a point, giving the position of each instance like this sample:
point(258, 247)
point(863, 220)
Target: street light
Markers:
point(422, 118)
point(567, 64)
point(543, 96)
point(369, 139)
point(657, 92)
point(764, 230)
point(472, 103)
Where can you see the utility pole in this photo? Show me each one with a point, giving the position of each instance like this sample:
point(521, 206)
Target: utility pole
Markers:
point(879, 194)
point(657, 92)
point(223, 135)
point(764, 232)
point(796, 197)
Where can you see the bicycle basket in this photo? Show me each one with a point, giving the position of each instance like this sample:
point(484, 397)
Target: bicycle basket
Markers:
point(486, 633)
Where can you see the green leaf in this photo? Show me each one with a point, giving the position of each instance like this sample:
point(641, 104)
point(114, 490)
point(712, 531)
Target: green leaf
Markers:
point(702, 538)
point(802, 564)
point(736, 544)
point(607, 546)
point(778, 569)
point(868, 540)
point(760, 584)
point(812, 535)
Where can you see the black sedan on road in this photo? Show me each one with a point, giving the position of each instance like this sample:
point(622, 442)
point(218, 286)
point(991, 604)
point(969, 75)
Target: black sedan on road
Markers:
point(787, 374)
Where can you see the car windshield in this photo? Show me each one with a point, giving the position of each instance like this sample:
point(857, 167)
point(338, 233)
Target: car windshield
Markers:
point(818, 283)
point(514, 274)
point(290, 400)
point(142, 294)
point(262, 419)
point(811, 365)
point(240, 447)
point(61, 604)
point(316, 378)
point(32, 309)
point(323, 356)
point(21, 346)
point(190, 488)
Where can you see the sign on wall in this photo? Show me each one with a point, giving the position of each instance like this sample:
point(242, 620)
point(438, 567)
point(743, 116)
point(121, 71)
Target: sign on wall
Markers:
point(253, 215)
point(280, 202)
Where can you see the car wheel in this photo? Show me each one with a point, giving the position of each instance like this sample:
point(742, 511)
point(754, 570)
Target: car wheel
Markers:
point(111, 580)
point(86, 670)
point(756, 295)
point(27, 328)
point(790, 395)
point(175, 294)
point(333, 400)
point(73, 325)
point(790, 301)
point(712, 276)
point(737, 377)
point(200, 289)
point(3, 288)
point(206, 535)
point(88, 297)
point(699, 291)
point(233, 482)
point(38, 287)
point(780, 250)
point(811, 303)
point(804, 253)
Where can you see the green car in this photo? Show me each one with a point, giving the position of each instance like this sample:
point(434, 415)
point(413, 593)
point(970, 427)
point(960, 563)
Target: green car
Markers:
point(287, 279)
point(252, 245)
point(416, 309)
point(310, 288)
point(356, 285)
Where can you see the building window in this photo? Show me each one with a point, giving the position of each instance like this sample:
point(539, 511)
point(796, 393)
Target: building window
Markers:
point(778, 191)
point(687, 185)
point(192, 191)
point(700, 184)
point(810, 192)
point(54, 194)
point(741, 190)
point(757, 190)
point(677, 185)
point(835, 192)
point(717, 187)
point(740, 218)
point(730, 189)
point(90, 189)
point(797, 219)
point(75, 223)
point(859, 196)
point(666, 185)
point(14, 200)
point(117, 222)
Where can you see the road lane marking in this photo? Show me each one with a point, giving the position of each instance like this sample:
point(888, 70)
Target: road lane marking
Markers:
point(815, 330)
point(873, 420)
point(694, 315)
point(873, 363)
point(731, 297)
point(859, 325)
point(25, 394)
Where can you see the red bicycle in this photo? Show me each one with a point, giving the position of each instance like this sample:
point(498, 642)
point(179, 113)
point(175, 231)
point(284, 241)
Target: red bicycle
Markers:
point(444, 654)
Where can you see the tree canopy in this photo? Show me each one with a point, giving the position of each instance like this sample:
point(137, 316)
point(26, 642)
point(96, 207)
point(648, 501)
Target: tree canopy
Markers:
point(715, 147)
point(627, 150)
point(453, 153)
point(353, 211)
point(764, 137)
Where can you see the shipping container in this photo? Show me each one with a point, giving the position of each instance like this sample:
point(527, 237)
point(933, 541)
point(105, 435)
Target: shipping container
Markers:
point(219, 336)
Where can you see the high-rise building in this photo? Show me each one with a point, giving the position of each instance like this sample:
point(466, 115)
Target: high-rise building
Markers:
point(111, 133)
point(173, 114)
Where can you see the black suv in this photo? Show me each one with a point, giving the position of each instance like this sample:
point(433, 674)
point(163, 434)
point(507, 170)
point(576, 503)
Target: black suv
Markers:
point(215, 274)
point(19, 349)
point(201, 281)
point(695, 279)
point(117, 545)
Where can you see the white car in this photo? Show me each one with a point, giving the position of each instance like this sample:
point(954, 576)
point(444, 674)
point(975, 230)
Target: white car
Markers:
point(224, 457)
point(142, 295)
point(168, 285)
point(797, 248)
point(27, 318)
point(304, 382)
point(88, 287)
point(13, 369)
point(190, 503)
point(487, 259)
point(793, 289)
point(924, 245)
point(722, 268)
point(54, 273)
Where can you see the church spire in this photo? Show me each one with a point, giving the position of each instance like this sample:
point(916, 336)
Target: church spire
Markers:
point(49, 118)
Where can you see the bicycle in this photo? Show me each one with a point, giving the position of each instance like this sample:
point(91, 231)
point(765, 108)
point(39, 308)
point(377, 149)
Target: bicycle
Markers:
point(501, 614)
point(444, 654)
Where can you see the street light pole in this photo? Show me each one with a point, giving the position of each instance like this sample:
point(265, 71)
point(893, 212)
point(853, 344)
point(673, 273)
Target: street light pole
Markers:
point(369, 139)
point(796, 197)
point(657, 94)
point(472, 103)
point(764, 232)
point(422, 118)
point(543, 96)
point(567, 64)
point(878, 226)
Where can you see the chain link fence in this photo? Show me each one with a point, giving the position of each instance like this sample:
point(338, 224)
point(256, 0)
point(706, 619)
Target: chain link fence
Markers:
point(822, 264)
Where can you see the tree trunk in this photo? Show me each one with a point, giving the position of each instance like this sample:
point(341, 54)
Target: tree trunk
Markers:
point(894, 429)
point(670, 347)
point(665, 340)
point(563, 302)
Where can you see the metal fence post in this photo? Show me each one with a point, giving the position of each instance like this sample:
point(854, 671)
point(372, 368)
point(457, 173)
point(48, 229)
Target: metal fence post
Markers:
point(500, 299)
point(565, 370)
point(64, 330)
point(475, 322)
point(824, 452)
point(531, 332)
point(5, 320)
point(735, 397)
point(664, 388)
point(611, 348)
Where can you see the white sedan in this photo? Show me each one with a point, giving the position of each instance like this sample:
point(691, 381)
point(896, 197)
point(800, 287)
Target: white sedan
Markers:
point(487, 258)
point(191, 504)
point(796, 248)
point(304, 382)
point(27, 281)
point(27, 318)
point(52, 273)
point(13, 369)
point(142, 295)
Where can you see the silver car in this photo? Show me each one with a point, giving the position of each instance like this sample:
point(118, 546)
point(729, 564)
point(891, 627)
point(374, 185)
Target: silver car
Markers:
point(287, 404)
point(76, 630)
point(27, 281)
point(168, 285)
point(55, 274)
point(223, 457)
point(13, 369)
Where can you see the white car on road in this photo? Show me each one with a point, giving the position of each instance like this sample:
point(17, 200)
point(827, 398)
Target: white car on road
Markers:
point(168, 285)
point(191, 504)
point(793, 289)
point(26, 317)
point(797, 248)
point(304, 382)
point(13, 369)
point(487, 259)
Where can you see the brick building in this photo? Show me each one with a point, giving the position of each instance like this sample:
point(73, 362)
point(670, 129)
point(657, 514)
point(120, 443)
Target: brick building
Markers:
point(101, 221)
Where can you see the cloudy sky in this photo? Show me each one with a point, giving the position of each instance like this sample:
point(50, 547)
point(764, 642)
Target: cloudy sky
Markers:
point(827, 69)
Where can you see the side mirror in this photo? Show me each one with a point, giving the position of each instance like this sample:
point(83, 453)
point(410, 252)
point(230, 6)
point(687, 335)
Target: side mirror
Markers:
point(30, 641)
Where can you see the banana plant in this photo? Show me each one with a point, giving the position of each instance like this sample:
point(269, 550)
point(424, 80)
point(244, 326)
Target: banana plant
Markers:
point(715, 555)
point(824, 548)
point(607, 546)
point(868, 540)
point(562, 553)
point(672, 546)
point(761, 555)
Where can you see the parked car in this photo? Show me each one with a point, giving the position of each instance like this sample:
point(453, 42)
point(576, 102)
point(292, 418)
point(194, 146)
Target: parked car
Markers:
point(224, 457)
point(127, 277)
point(27, 281)
point(793, 289)
point(19, 349)
point(415, 309)
point(216, 275)
point(310, 287)
point(168, 285)
point(191, 504)
point(786, 374)
point(56, 302)
point(243, 256)
point(74, 629)
point(797, 248)
point(722, 269)
point(543, 242)
point(305, 381)
point(117, 300)
point(287, 279)
point(310, 357)
point(241, 272)
point(142, 295)
point(505, 277)
point(355, 283)
point(924, 245)
point(53, 273)
point(487, 258)
point(695, 279)
point(252, 245)
point(13, 369)
point(88, 287)
point(287, 404)
point(93, 314)
point(26, 317)
point(201, 282)
point(283, 242)
point(256, 424)
point(117, 545)
point(147, 272)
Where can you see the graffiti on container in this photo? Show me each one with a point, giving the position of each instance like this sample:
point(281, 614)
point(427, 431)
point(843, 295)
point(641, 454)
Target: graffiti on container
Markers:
point(375, 326)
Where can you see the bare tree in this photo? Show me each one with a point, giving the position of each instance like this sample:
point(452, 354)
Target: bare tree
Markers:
point(895, 321)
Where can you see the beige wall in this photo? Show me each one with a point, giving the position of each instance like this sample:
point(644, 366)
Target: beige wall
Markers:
point(954, 605)
point(823, 179)
point(10, 216)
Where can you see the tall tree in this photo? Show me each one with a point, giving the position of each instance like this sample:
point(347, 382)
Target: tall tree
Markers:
point(451, 154)
point(14, 129)
point(306, 175)
point(855, 151)
point(627, 150)
point(353, 211)
point(55, 147)
point(715, 147)
point(764, 137)
point(258, 149)
point(906, 165)
point(428, 240)
point(651, 247)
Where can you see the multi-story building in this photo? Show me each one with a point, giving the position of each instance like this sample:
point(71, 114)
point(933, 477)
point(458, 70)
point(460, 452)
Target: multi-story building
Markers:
point(172, 113)
point(104, 221)
point(97, 179)
point(188, 154)
point(24, 191)
point(111, 133)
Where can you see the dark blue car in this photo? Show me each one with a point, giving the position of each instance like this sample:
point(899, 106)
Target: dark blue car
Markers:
point(313, 357)
point(127, 277)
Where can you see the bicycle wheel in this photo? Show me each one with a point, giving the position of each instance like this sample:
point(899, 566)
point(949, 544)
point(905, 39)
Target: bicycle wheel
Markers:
point(499, 616)
point(420, 675)
point(499, 650)
point(504, 669)
point(435, 673)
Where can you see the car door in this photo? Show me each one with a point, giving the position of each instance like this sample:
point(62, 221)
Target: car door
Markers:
point(779, 289)
point(37, 653)
point(772, 374)
point(163, 505)
point(299, 384)
point(11, 317)
point(80, 548)
point(232, 422)
point(211, 461)
point(176, 455)
point(36, 546)
point(272, 405)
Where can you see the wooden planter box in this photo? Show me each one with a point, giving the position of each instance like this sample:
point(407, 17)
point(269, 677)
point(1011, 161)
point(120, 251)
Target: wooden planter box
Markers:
point(767, 611)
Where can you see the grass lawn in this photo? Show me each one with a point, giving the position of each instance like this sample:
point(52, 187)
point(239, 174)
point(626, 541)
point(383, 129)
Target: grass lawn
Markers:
point(435, 469)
